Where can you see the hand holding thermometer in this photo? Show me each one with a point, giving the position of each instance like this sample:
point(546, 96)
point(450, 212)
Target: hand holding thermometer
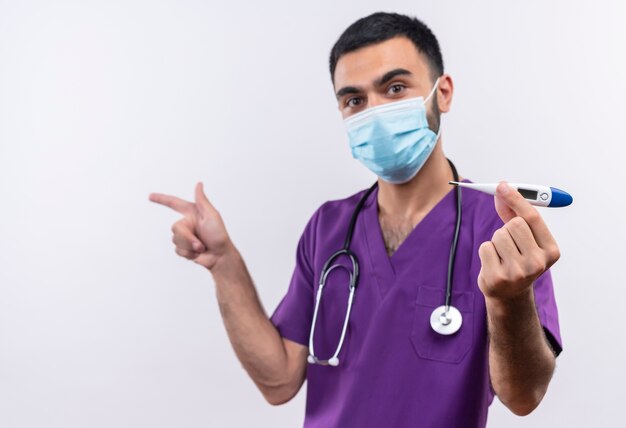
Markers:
point(542, 196)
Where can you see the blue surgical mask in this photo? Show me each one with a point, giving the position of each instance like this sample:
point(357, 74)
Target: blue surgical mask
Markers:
point(393, 140)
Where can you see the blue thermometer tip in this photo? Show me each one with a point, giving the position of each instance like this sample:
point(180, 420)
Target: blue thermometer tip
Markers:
point(560, 198)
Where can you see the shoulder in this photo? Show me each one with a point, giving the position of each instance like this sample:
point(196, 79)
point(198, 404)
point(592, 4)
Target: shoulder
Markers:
point(333, 216)
point(336, 208)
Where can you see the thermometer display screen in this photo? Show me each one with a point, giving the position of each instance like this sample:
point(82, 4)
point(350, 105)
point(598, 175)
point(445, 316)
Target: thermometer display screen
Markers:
point(528, 194)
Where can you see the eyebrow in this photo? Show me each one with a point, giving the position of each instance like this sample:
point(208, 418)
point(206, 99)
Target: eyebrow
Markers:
point(378, 82)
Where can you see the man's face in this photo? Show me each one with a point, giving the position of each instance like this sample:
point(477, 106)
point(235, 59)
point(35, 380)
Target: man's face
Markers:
point(382, 73)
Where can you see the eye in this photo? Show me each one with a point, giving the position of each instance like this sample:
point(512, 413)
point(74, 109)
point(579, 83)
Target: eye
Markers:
point(354, 101)
point(396, 88)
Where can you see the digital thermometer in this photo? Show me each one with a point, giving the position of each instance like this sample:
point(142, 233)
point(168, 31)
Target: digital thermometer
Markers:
point(542, 196)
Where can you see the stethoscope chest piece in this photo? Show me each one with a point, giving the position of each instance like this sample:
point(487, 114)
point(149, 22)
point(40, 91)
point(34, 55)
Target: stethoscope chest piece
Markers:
point(446, 321)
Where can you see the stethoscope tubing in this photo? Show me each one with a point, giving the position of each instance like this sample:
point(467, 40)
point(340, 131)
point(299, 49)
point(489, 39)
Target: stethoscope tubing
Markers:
point(444, 320)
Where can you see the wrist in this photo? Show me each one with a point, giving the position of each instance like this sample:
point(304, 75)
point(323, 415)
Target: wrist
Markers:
point(225, 262)
point(512, 305)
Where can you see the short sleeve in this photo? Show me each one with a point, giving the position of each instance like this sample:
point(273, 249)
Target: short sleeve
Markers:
point(547, 310)
point(292, 317)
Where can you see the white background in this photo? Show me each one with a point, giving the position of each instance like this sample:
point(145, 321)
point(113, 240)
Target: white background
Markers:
point(101, 103)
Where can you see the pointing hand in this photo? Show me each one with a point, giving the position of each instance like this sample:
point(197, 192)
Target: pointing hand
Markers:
point(200, 235)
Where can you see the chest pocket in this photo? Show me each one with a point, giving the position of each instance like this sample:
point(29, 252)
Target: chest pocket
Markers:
point(434, 346)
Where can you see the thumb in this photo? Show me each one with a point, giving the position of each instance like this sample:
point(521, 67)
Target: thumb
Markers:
point(504, 193)
point(202, 202)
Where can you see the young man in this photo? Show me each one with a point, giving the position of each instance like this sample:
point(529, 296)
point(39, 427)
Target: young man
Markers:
point(390, 365)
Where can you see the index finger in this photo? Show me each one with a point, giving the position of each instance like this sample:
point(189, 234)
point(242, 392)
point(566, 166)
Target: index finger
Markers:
point(177, 204)
point(516, 203)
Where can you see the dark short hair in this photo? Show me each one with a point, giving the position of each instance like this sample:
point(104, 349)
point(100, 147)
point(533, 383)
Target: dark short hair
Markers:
point(381, 26)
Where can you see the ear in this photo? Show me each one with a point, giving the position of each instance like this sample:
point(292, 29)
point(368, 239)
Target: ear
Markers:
point(445, 89)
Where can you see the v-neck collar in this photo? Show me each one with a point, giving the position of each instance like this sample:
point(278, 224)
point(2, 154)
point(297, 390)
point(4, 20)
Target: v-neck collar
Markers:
point(385, 267)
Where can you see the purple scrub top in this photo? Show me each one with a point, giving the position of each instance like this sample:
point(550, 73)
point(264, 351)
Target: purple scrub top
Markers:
point(394, 370)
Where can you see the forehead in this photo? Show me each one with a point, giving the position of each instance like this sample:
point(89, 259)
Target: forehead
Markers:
point(362, 66)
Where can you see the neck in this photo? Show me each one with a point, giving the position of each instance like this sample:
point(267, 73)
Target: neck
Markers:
point(416, 197)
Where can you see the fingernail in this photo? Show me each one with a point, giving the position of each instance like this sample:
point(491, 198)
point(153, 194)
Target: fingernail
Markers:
point(503, 188)
point(197, 246)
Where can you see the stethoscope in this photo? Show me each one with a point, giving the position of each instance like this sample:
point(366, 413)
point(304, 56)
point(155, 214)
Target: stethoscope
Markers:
point(445, 320)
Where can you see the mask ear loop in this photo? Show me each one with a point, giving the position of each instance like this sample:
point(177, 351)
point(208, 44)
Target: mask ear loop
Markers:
point(439, 130)
point(432, 91)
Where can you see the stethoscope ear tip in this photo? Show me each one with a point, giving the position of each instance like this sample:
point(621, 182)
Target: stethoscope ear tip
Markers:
point(334, 361)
